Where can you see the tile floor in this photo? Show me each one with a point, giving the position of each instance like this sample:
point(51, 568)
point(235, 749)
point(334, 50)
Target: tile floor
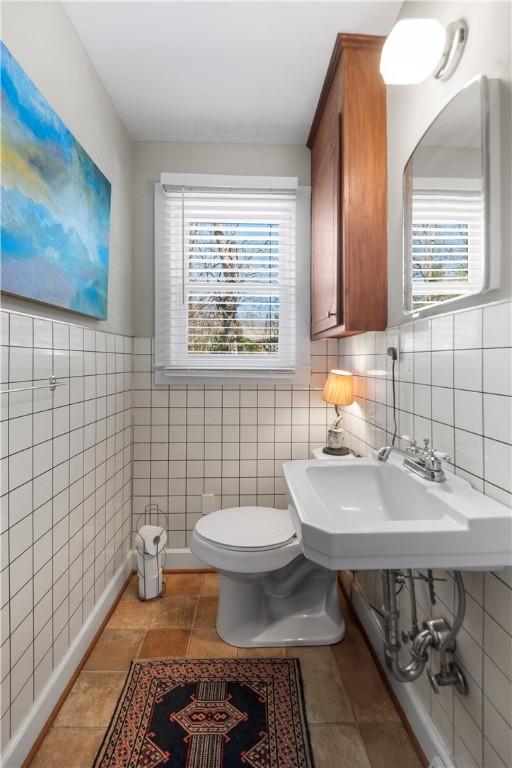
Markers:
point(352, 720)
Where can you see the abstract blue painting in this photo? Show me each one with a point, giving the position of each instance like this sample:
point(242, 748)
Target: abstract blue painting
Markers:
point(55, 211)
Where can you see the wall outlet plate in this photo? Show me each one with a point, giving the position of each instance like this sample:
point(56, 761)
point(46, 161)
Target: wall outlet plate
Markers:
point(208, 503)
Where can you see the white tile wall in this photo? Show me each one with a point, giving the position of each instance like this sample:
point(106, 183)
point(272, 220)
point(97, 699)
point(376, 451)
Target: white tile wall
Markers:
point(66, 479)
point(454, 387)
point(230, 441)
point(66, 493)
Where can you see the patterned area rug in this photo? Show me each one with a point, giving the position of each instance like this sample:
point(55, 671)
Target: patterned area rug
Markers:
point(209, 713)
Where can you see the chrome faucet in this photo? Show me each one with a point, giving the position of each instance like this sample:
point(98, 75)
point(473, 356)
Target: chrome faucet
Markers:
point(425, 462)
point(385, 452)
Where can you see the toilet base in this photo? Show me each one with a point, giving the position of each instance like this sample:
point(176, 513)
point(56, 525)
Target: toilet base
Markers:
point(296, 605)
point(309, 630)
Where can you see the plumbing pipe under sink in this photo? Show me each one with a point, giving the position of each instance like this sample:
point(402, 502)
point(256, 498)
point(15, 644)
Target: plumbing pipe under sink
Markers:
point(436, 634)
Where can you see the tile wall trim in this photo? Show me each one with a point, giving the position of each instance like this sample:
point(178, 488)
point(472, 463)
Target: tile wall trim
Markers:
point(77, 324)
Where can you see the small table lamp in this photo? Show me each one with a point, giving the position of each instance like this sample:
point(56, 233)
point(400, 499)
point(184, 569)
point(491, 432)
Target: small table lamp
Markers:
point(337, 391)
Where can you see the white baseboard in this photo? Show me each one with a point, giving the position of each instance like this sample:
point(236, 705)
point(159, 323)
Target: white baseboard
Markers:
point(431, 742)
point(182, 558)
point(179, 559)
point(21, 743)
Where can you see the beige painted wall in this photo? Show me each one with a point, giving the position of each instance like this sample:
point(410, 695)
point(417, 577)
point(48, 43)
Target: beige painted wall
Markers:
point(42, 39)
point(151, 158)
point(412, 108)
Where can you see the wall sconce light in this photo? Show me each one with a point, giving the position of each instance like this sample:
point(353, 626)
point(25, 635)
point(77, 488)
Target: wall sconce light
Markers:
point(337, 391)
point(418, 48)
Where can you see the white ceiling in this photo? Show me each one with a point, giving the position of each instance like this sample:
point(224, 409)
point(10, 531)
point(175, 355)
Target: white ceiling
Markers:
point(219, 71)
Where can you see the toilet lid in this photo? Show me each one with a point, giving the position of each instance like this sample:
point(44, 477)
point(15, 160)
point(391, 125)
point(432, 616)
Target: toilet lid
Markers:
point(247, 528)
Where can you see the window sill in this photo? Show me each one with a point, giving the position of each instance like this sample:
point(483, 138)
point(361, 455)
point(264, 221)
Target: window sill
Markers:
point(300, 377)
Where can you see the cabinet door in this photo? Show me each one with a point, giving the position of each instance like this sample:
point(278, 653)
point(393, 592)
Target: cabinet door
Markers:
point(326, 289)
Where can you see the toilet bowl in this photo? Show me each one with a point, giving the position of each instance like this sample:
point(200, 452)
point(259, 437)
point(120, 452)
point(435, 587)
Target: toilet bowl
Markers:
point(270, 595)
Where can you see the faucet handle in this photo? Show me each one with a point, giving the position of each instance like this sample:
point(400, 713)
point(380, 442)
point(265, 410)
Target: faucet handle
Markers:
point(426, 444)
point(434, 458)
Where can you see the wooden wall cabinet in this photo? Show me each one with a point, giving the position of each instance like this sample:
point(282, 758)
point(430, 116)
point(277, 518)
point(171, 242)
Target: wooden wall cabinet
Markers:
point(348, 193)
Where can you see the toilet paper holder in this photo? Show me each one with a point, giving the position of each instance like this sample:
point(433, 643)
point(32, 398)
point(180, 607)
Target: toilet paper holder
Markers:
point(150, 548)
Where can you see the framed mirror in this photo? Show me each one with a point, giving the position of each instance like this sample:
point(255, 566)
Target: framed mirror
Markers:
point(446, 206)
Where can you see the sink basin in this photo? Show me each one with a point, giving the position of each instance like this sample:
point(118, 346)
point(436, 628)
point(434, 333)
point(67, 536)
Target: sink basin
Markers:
point(363, 495)
point(365, 514)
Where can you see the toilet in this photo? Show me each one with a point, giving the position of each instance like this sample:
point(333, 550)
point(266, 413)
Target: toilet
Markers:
point(270, 594)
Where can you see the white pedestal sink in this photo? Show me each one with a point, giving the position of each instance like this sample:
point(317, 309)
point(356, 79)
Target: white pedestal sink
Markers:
point(364, 514)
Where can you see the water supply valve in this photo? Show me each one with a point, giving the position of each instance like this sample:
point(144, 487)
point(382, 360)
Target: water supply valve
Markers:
point(450, 672)
point(451, 675)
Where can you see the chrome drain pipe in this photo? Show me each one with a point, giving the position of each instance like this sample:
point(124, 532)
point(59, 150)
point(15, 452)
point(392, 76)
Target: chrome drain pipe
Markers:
point(435, 634)
point(414, 613)
point(392, 646)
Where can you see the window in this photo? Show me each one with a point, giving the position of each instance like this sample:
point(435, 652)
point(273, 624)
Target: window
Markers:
point(446, 245)
point(225, 289)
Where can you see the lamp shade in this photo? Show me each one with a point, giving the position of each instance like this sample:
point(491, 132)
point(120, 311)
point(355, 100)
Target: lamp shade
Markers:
point(338, 388)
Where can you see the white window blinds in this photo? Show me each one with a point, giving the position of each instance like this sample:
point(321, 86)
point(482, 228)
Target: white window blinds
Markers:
point(447, 245)
point(225, 280)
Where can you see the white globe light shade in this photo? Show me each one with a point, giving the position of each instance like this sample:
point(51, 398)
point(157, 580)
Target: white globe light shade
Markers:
point(412, 50)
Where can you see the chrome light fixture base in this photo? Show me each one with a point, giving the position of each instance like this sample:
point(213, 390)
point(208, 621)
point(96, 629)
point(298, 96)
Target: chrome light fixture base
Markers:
point(456, 36)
